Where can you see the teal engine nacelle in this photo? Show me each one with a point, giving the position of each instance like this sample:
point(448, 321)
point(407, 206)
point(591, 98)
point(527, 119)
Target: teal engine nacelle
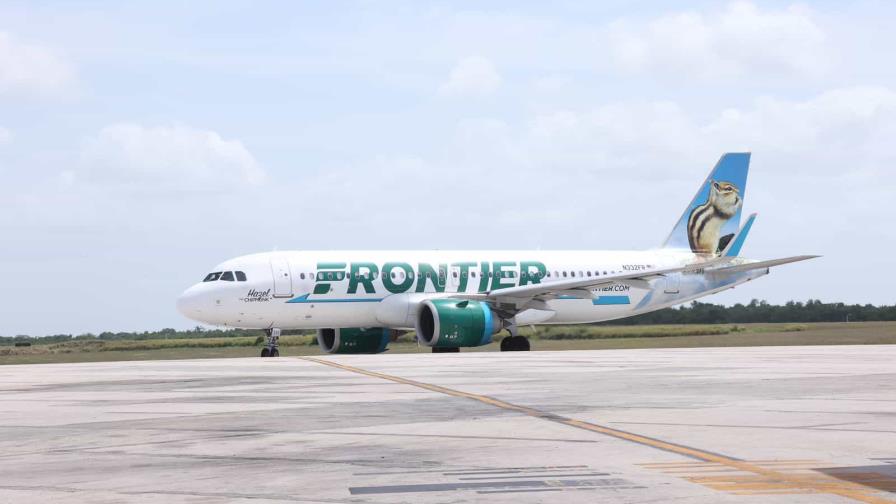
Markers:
point(454, 323)
point(354, 340)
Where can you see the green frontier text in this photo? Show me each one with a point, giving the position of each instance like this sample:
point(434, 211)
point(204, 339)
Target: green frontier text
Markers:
point(398, 277)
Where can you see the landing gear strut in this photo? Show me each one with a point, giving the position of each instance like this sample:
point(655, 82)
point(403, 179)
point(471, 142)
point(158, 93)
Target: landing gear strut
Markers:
point(272, 343)
point(514, 342)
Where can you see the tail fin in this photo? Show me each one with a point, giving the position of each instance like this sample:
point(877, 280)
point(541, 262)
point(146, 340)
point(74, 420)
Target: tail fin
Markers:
point(712, 218)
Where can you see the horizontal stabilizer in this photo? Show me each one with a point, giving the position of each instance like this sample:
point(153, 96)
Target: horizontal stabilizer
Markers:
point(762, 264)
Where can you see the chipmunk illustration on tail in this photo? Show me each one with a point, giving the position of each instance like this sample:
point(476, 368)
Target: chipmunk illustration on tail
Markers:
point(706, 221)
point(709, 222)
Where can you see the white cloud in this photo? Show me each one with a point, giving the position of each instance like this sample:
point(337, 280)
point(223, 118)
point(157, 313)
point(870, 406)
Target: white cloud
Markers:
point(850, 125)
point(177, 157)
point(472, 76)
point(27, 69)
point(740, 40)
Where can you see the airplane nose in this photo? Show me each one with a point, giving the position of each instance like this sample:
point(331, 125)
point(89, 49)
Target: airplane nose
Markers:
point(188, 304)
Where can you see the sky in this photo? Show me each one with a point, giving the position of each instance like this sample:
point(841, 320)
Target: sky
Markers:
point(143, 143)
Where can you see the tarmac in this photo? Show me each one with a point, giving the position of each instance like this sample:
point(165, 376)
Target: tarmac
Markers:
point(755, 425)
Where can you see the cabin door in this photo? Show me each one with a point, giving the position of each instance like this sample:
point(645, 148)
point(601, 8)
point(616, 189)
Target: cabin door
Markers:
point(282, 278)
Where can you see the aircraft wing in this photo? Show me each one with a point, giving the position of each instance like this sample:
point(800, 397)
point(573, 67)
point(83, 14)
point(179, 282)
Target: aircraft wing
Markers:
point(530, 296)
point(581, 287)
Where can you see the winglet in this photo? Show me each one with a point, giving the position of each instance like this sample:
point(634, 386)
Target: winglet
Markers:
point(734, 246)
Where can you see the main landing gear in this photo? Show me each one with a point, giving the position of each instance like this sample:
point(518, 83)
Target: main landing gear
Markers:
point(514, 342)
point(272, 343)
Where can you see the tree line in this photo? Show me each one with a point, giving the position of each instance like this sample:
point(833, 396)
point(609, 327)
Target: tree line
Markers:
point(694, 313)
point(167, 333)
point(762, 312)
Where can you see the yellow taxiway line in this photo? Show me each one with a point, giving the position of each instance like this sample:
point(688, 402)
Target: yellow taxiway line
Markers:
point(775, 479)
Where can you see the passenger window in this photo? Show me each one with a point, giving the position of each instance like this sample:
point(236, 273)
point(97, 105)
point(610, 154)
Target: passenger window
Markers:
point(589, 273)
point(240, 276)
point(302, 276)
point(211, 277)
point(227, 276)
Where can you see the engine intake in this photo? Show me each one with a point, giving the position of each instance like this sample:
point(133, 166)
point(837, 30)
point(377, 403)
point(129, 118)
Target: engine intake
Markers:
point(454, 323)
point(353, 340)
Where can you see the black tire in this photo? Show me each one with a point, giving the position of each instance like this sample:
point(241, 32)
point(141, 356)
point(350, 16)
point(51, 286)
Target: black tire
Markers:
point(275, 352)
point(265, 352)
point(445, 350)
point(515, 344)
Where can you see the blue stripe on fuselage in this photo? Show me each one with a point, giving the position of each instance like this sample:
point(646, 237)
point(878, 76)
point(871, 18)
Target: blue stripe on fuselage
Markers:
point(611, 300)
point(304, 299)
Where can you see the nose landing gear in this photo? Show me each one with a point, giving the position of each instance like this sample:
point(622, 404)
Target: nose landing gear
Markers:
point(272, 343)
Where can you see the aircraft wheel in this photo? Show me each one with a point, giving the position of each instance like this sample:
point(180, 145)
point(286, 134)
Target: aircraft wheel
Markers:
point(445, 350)
point(265, 352)
point(275, 352)
point(515, 344)
point(505, 344)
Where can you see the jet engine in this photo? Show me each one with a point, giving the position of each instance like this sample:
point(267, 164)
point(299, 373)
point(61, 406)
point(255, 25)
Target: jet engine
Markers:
point(354, 340)
point(455, 323)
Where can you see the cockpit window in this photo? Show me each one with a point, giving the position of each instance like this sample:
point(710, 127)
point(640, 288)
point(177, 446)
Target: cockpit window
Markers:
point(240, 276)
point(211, 277)
point(227, 276)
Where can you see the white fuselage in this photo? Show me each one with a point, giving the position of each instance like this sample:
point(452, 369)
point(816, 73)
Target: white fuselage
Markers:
point(344, 289)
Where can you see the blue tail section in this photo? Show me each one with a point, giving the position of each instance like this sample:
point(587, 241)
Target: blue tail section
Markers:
point(711, 220)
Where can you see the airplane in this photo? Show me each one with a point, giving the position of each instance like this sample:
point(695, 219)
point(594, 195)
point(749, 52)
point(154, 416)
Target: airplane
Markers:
point(360, 301)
